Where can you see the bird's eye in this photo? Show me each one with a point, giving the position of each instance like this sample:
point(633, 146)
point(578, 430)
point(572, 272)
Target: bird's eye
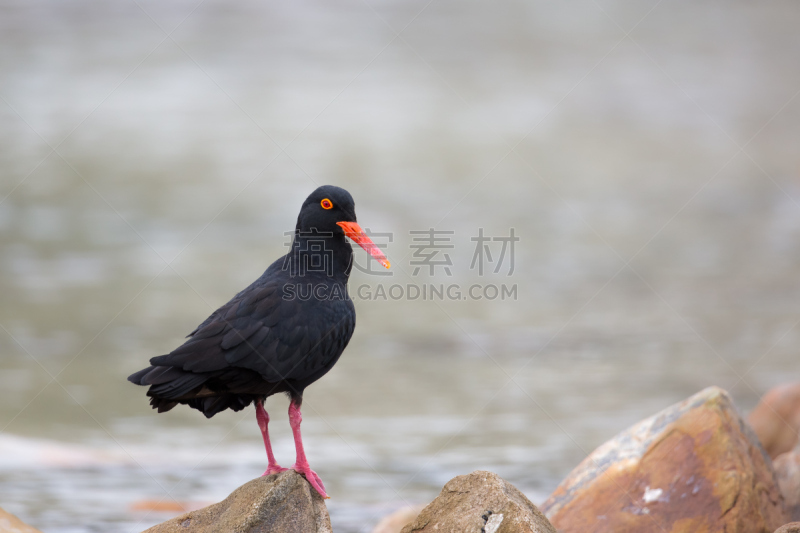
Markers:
point(326, 204)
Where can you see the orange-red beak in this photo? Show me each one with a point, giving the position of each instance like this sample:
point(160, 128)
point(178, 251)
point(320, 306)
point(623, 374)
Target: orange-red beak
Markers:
point(354, 231)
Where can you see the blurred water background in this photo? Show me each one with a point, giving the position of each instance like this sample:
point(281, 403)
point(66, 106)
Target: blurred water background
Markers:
point(154, 155)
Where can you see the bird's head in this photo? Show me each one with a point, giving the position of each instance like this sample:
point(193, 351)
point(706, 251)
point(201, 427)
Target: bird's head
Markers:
point(331, 209)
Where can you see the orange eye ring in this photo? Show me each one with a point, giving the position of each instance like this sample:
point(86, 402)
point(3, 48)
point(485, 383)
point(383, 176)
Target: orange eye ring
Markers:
point(326, 204)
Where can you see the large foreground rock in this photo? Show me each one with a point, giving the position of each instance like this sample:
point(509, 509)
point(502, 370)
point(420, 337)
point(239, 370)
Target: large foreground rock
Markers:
point(693, 467)
point(11, 524)
point(480, 502)
point(280, 503)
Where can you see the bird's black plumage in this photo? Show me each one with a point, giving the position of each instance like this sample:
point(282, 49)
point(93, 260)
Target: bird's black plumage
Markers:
point(280, 334)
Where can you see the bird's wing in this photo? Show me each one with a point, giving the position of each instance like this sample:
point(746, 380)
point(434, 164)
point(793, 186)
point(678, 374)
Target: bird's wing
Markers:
point(261, 331)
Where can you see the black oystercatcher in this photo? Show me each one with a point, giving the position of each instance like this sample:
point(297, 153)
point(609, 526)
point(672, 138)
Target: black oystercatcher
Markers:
point(280, 334)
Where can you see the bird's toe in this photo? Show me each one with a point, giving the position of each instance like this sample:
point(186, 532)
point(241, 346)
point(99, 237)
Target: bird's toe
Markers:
point(312, 478)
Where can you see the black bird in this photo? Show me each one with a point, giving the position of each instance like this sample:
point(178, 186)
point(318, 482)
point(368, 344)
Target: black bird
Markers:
point(280, 334)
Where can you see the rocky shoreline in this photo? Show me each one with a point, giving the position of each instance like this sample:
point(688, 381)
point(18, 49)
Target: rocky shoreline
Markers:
point(696, 466)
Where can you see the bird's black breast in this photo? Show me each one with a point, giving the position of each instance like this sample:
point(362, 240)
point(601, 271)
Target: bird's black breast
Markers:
point(269, 330)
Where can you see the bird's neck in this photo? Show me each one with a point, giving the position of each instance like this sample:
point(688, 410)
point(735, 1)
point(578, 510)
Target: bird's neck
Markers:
point(319, 254)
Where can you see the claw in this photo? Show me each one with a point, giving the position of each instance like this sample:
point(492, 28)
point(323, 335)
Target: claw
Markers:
point(312, 478)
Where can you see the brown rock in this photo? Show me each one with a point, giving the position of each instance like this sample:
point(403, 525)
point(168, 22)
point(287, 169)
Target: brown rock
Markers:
point(280, 503)
point(466, 500)
point(11, 524)
point(394, 522)
point(787, 470)
point(693, 467)
point(792, 527)
point(776, 419)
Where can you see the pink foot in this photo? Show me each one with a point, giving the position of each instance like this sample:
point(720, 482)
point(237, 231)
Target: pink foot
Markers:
point(274, 469)
point(312, 478)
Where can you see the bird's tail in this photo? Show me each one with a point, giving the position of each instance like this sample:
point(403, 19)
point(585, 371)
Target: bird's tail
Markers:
point(170, 386)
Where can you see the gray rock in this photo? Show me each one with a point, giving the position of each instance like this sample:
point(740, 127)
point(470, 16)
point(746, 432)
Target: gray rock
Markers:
point(480, 502)
point(280, 503)
point(793, 527)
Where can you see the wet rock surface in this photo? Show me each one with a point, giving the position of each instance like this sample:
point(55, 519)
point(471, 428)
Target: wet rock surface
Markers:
point(280, 503)
point(480, 502)
point(695, 466)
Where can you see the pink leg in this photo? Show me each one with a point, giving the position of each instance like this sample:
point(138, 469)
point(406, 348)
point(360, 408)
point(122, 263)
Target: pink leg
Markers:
point(301, 464)
point(263, 420)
